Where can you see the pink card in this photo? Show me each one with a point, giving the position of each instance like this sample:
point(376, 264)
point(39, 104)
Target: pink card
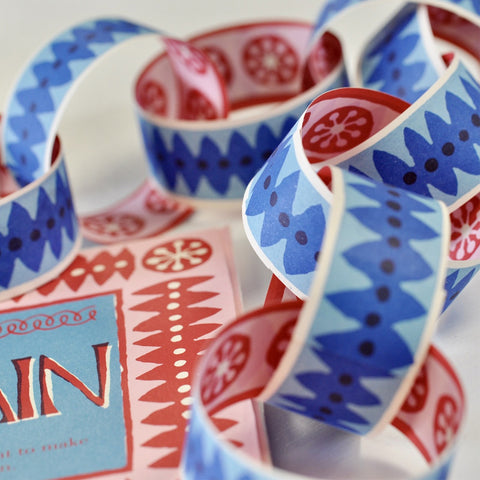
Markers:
point(99, 361)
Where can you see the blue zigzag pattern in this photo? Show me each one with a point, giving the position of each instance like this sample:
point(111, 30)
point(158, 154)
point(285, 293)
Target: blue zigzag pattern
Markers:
point(43, 86)
point(375, 348)
point(241, 159)
point(27, 237)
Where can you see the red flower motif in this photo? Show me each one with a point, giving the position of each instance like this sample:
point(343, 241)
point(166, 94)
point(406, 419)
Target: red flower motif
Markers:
point(465, 225)
point(225, 366)
point(270, 60)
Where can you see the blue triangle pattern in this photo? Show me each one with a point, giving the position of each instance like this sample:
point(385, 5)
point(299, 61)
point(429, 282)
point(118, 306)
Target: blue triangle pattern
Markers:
point(241, 160)
point(27, 237)
point(26, 130)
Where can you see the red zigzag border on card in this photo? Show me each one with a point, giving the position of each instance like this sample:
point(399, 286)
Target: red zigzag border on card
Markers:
point(175, 332)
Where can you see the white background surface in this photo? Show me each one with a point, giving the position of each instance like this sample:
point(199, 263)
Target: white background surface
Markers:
point(106, 161)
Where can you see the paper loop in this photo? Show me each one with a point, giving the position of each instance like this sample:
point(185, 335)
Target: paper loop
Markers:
point(240, 362)
point(39, 234)
point(264, 65)
point(423, 148)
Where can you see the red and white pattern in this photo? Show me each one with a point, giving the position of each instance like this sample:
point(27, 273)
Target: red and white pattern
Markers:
point(270, 60)
point(323, 59)
point(220, 59)
point(153, 98)
point(417, 397)
point(226, 365)
point(145, 213)
point(194, 70)
point(433, 419)
point(335, 122)
point(178, 255)
point(169, 318)
point(465, 236)
point(279, 344)
point(339, 130)
point(198, 106)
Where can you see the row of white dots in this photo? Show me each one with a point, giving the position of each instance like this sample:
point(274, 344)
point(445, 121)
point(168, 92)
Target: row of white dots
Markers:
point(187, 401)
point(100, 267)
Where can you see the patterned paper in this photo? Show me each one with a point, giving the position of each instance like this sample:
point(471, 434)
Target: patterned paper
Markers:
point(100, 360)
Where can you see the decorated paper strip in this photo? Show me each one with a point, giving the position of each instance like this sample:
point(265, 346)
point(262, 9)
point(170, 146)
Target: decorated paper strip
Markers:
point(263, 65)
point(191, 80)
point(380, 138)
point(99, 361)
point(146, 213)
point(237, 366)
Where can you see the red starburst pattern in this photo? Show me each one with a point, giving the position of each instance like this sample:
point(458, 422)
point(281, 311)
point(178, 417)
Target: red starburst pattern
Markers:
point(157, 203)
point(221, 62)
point(192, 58)
point(270, 60)
point(280, 343)
point(324, 57)
point(225, 366)
point(198, 106)
point(446, 423)
point(177, 255)
point(114, 224)
point(465, 225)
point(152, 97)
point(418, 395)
point(339, 130)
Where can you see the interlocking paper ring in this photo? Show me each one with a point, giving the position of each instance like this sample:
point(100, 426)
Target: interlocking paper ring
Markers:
point(39, 234)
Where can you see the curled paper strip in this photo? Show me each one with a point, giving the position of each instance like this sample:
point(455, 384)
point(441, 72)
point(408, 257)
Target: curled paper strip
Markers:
point(381, 138)
point(239, 364)
point(39, 234)
point(263, 64)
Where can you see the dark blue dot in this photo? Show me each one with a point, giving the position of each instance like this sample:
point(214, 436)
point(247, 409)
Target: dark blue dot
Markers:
point(448, 149)
point(463, 135)
point(273, 199)
point(367, 348)
point(345, 379)
point(394, 222)
point(431, 165)
point(394, 242)
point(301, 237)
point(267, 181)
point(284, 219)
point(387, 266)
point(394, 205)
point(373, 319)
point(50, 223)
point(383, 293)
point(335, 397)
point(410, 178)
point(15, 244)
point(35, 234)
point(326, 410)
point(202, 164)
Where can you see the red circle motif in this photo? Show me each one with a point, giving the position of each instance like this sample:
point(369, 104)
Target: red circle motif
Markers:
point(152, 97)
point(114, 224)
point(279, 344)
point(270, 60)
point(220, 60)
point(465, 226)
point(418, 395)
point(198, 106)
point(177, 255)
point(339, 130)
point(225, 366)
point(446, 423)
point(190, 57)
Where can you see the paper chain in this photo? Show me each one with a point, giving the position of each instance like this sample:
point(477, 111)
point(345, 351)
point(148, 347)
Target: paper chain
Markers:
point(363, 335)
